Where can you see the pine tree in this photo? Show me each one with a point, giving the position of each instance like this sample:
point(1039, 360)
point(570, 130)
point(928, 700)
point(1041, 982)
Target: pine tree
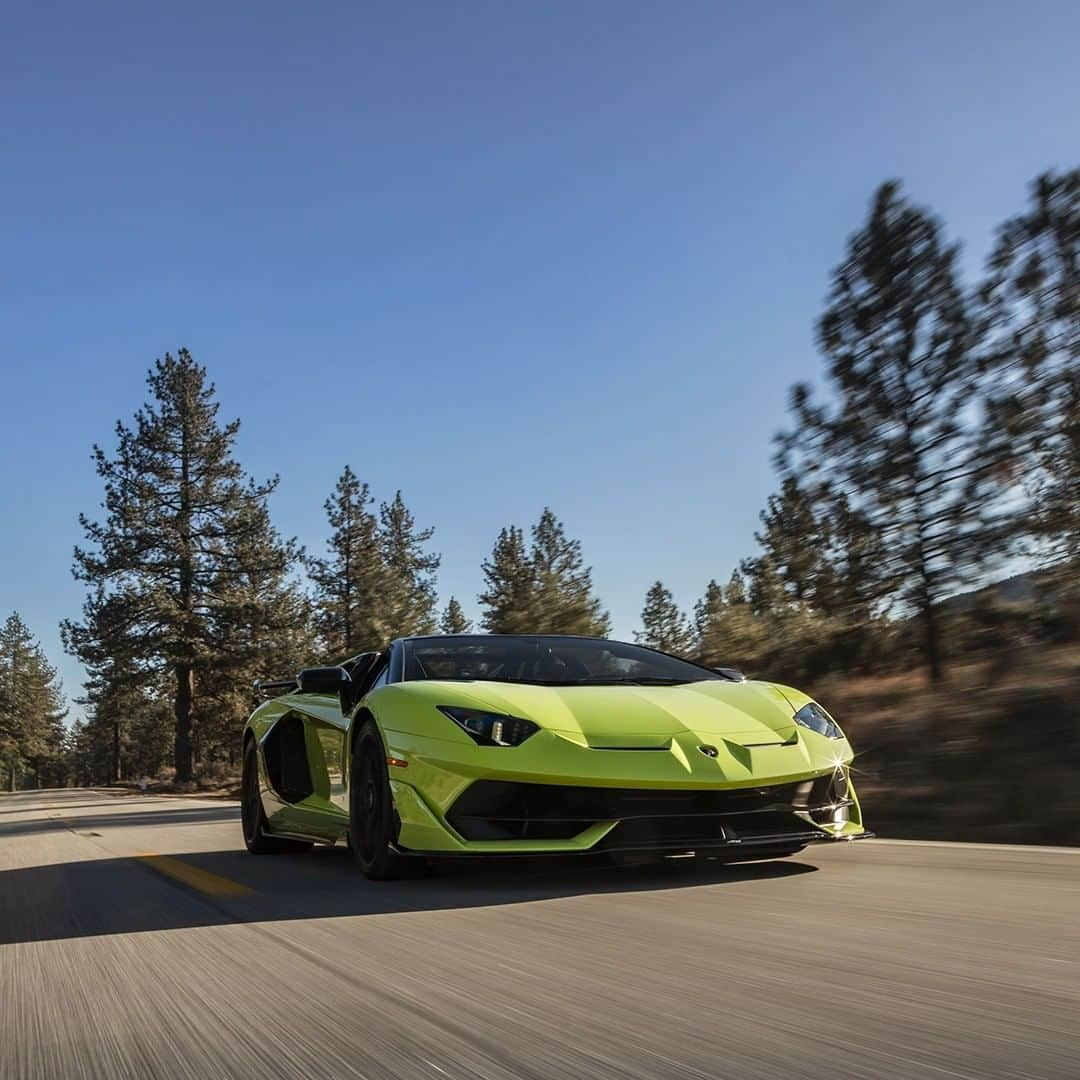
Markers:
point(113, 693)
point(1032, 297)
point(819, 576)
point(453, 619)
point(261, 624)
point(794, 539)
point(708, 623)
point(726, 630)
point(1057, 501)
point(348, 584)
point(186, 552)
point(407, 598)
point(857, 582)
point(32, 708)
point(112, 705)
point(735, 592)
point(899, 341)
point(664, 626)
point(543, 590)
point(562, 598)
point(510, 595)
point(78, 773)
point(766, 594)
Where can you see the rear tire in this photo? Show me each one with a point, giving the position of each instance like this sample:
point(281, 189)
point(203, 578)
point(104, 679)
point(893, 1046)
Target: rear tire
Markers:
point(372, 819)
point(253, 817)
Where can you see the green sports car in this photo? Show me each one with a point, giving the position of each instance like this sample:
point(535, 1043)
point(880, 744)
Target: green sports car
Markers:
point(538, 745)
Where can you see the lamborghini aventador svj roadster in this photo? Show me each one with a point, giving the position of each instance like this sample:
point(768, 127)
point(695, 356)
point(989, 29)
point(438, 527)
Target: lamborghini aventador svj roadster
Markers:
point(537, 745)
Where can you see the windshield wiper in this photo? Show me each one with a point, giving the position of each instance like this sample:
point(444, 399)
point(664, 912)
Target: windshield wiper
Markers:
point(630, 680)
point(477, 678)
point(594, 680)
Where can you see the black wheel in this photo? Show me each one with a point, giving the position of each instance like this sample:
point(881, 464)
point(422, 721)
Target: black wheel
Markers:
point(372, 823)
point(253, 816)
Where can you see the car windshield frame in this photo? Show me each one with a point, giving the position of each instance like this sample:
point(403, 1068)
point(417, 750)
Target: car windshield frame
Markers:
point(546, 660)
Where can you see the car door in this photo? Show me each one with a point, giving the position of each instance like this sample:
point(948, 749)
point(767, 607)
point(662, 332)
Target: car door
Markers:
point(304, 755)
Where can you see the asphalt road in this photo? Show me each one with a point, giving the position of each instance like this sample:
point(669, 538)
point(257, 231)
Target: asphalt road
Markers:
point(138, 939)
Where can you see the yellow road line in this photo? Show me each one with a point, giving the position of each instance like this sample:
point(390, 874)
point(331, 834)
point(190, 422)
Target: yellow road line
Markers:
point(193, 876)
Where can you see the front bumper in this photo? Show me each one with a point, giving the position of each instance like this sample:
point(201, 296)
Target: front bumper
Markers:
point(552, 796)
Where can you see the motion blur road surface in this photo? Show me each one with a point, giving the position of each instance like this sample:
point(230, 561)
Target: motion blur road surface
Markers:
point(138, 939)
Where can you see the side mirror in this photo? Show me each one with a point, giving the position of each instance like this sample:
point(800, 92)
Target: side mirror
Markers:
point(322, 680)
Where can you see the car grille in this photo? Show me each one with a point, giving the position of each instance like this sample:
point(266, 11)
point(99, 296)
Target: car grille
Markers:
point(503, 810)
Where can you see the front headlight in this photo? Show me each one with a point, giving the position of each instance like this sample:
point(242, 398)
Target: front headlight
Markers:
point(814, 717)
point(490, 729)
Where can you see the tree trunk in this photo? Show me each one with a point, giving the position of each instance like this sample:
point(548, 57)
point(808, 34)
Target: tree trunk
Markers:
point(927, 591)
point(185, 693)
point(185, 678)
point(932, 633)
point(116, 752)
point(348, 587)
point(11, 777)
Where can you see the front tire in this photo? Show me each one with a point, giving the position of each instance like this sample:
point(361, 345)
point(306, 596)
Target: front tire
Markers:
point(372, 824)
point(252, 815)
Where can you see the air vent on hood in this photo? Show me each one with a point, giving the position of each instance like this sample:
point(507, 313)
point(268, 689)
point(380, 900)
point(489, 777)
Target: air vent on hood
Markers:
point(631, 742)
point(666, 746)
point(753, 739)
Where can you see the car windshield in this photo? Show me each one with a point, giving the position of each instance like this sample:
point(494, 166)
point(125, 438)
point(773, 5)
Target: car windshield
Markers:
point(545, 661)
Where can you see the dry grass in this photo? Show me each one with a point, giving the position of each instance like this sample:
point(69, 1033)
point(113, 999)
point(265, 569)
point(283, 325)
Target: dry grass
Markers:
point(226, 788)
point(991, 754)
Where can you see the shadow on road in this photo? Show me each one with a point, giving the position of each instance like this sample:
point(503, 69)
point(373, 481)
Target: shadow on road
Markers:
point(124, 895)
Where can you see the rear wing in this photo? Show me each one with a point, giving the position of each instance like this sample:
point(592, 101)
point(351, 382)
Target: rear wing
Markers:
point(269, 688)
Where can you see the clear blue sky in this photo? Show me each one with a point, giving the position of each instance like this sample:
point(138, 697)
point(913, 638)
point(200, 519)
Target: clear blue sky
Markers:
point(498, 255)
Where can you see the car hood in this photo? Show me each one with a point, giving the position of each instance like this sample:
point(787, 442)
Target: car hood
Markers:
point(636, 717)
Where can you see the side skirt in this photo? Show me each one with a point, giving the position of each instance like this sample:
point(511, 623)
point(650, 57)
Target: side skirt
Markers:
point(277, 834)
